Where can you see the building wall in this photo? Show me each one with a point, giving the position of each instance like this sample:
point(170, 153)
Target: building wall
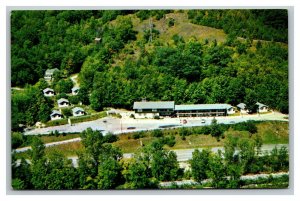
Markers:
point(244, 111)
point(197, 113)
point(230, 111)
point(49, 94)
point(55, 117)
point(78, 114)
point(64, 105)
point(145, 115)
point(263, 109)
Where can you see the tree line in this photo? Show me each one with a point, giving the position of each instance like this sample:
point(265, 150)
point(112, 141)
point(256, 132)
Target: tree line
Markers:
point(102, 166)
point(264, 24)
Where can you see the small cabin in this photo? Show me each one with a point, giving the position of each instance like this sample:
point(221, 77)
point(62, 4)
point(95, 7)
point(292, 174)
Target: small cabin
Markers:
point(78, 111)
point(75, 90)
point(242, 108)
point(262, 107)
point(49, 74)
point(63, 102)
point(56, 115)
point(48, 92)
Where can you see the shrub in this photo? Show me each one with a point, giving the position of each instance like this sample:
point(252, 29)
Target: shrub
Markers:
point(184, 132)
point(61, 95)
point(66, 112)
point(170, 141)
point(56, 133)
point(110, 138)
point(16, 140)
point(138, 135)
point(171, 22)
point(157, 133)
point(74, 99)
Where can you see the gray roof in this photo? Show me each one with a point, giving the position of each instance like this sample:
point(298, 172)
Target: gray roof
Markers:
point(48, 89)
point(260, 105)
point(54, 112)
point(154, 105)
point(242, 106)
point(51, 71)
point(62, 100)
point(77, 109)
point(203, 107)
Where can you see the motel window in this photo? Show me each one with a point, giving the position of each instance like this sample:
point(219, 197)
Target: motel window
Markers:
point(140, 110)
point(154, 110)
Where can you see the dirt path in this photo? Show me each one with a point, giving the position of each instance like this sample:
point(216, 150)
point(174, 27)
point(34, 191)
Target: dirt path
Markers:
point(74, 79)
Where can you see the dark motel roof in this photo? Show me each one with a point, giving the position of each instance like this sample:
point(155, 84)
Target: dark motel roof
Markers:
point(55, 112)
point(202, 107)
point(242, 106)
point(77, 109)
point(48, 90)
point(154, 105)
point(62, 100)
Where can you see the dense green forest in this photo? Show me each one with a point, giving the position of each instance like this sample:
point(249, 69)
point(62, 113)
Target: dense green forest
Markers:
point(271, 25)
point(141, 55)
point(102, 166)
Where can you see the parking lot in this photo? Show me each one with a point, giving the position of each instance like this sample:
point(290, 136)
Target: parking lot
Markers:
point(127, 124)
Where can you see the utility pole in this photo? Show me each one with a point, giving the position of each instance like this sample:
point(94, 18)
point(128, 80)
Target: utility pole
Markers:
point(150, 27)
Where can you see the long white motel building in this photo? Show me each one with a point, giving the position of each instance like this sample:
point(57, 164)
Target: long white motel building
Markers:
point(150, 109)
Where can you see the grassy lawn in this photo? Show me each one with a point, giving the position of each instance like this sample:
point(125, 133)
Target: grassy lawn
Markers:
point(69, 149)
point(47, 139)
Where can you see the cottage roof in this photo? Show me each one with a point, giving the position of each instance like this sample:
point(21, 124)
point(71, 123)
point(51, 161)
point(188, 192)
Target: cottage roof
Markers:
point(75, 89)
point(154, 105)
point(77, 109)
point(51, 71)
point(203, 107)
point(54, 112)
point(242, 106)
point(62, 100)
point(261, 105)
point(47, 90)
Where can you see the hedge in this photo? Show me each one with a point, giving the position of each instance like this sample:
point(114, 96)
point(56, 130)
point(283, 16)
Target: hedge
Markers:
point(85, 118)
point(56, 122)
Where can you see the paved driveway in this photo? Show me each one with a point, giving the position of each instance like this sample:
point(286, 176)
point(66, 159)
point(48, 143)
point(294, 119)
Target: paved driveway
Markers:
point(116, 126)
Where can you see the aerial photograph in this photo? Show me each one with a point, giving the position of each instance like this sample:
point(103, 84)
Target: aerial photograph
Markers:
point(149, 99)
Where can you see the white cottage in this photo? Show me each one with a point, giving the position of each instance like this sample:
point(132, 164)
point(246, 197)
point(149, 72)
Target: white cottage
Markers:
point(262, 108)
point(49, 74)
point(242, 108)
point(78, 111)
point(230, 109)
point(75, 90)
point(63, 102)
point(48, 92)
point(55, 115)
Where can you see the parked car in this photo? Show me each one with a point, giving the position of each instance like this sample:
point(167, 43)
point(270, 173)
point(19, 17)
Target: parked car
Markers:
point(203, 121)
point(130, 128)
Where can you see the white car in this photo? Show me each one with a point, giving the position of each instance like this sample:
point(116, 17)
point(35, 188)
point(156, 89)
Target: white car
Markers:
point(203, 121)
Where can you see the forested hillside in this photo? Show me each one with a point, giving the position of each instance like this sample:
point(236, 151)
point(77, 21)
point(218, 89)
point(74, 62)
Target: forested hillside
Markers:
point(157, 55)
